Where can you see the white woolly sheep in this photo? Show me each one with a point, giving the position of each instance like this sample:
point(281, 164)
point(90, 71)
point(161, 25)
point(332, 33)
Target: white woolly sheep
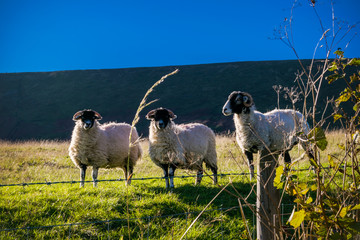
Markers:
point(275, 130)
point(184, 146)
point(102, 145)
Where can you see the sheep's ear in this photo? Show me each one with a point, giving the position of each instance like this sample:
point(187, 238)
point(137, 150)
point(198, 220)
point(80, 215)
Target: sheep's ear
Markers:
point(150, 114)
point(97, 115)
point(247, 100)
point(78, 115)
point(172, 115)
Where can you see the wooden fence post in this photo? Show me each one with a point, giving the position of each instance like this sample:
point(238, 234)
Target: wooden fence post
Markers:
point(268, 197)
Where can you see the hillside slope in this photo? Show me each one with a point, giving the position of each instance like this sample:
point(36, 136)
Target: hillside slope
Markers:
point(41, 105)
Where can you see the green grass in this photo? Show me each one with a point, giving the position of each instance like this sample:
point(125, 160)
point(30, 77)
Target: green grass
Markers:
point(145, 202)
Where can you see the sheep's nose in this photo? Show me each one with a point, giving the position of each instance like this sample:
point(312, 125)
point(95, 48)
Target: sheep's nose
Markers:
point(161, 124)
point(87, 124)
point(226, 110)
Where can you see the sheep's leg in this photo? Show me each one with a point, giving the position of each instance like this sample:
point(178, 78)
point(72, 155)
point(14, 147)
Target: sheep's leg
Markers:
point(249, 157)
point(82, 174)
point(310, 153)
point(95, 171)
point(165, 168)
point(128, 176)
point(287, 157)
point(171, 175)
point(199, 176)
point(214, 170)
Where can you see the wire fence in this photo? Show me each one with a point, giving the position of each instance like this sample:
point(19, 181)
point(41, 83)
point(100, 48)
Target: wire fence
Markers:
point(26, 232)
point(114, 180)
point(121, 180)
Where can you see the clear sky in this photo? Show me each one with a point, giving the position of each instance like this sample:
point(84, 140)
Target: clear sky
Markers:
point(51, 35)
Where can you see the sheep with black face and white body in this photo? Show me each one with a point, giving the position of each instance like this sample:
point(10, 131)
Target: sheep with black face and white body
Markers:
point(102, 145)
point(275, 131)
point(184, 146)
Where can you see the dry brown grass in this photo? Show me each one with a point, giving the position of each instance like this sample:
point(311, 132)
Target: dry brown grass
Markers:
point(39, 161)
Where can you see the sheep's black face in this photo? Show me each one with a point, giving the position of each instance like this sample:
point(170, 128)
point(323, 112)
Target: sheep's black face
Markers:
point(161, 117)
point(238, 102)
point(87, 118)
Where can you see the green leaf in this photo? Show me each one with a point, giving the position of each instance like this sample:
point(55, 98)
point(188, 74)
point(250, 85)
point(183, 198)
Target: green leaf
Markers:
point(313, 163)
point(277, 181)
point(302, 188)
point(297, 218)
point(331, 161)
point(333, 67)
point(341, 146)
point(309, 200)
point(344, 211)
point(344, 97)
point(354, 62)
point(332, 78)
point(354, 227)
point(322, 231)
point(337, 117)
point(339, 53)
point(355, 107)
point(356, 207)
point(317, 135)
point(354, 78)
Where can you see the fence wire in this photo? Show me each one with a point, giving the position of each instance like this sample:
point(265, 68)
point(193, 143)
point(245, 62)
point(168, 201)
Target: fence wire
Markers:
point(113, 180)
point(109, 221)
point(120, 180)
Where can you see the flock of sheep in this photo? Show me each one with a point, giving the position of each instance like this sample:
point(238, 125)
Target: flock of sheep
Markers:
point(185, 146)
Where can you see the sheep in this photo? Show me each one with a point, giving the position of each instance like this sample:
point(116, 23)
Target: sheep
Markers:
point(275, 131)
point(184, 146)
point(102, 145)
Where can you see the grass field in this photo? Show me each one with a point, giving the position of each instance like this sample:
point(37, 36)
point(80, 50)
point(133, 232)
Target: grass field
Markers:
point(58, 211)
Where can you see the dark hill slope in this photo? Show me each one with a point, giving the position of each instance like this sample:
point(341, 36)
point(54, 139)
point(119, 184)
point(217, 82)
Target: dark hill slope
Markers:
point(41, 105)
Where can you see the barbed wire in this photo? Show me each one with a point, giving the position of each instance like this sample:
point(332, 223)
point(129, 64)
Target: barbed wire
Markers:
point(113, 180)
point(120, 180)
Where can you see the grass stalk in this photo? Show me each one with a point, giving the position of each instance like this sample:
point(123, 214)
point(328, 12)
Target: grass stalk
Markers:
point(143, 104)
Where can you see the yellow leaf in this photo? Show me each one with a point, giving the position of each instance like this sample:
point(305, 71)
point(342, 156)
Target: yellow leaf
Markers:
point(277, 181)
point(297, 218)
point(344, 211)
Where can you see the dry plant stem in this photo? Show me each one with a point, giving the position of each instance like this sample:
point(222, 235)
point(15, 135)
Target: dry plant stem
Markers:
point(204, 210)
point(244, 219)
point(315, 85)
point(142, 105)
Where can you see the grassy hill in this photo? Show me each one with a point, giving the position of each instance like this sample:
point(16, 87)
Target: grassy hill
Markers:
point(41, 105)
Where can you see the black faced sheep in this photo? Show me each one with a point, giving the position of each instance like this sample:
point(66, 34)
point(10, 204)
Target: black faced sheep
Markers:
point(184, 146)
point(276, 130)
point(102, 145)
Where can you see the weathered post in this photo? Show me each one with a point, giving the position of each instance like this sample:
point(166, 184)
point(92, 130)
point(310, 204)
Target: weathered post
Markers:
point(268, 197)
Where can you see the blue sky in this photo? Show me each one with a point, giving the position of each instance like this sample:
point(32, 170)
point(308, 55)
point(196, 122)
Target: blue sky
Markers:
point(49, 35)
